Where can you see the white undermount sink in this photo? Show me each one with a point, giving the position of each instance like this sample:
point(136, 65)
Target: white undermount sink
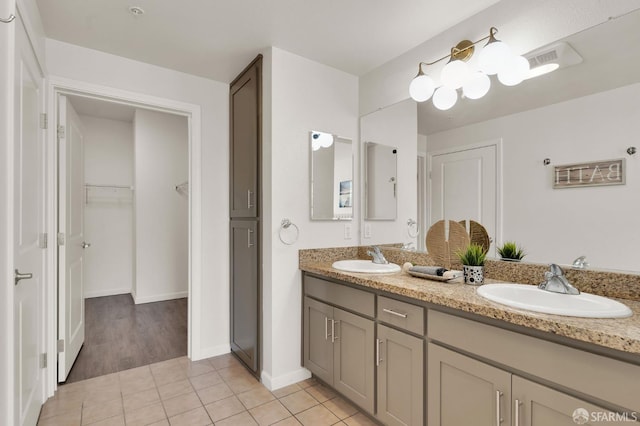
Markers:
point(531, 298)
point(365, 266)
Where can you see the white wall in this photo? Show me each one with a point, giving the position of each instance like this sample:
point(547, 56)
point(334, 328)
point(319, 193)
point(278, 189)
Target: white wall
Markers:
point(161, 213)
point(91, 66)
point(558, 225)
point(108, 214)
point(396, 125)
point(523, 24)
point(300, 95)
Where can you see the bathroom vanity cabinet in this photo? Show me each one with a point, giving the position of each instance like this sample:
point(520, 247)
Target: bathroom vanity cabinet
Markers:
point(434, 365)
point(344, 336)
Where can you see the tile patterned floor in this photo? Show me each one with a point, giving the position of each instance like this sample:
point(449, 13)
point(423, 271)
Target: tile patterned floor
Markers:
point(180, 392)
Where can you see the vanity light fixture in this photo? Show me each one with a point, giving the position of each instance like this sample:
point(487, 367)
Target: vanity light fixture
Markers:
point(321, 140)
point(495, 58)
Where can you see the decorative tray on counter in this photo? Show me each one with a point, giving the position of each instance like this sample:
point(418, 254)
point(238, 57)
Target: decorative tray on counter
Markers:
point(433, 277)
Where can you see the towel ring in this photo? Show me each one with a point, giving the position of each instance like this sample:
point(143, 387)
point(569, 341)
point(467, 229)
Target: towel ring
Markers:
point(412, 224)
point(9, 19)
point(284, 225)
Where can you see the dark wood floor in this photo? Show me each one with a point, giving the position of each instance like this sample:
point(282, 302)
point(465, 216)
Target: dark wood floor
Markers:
point(120, 335)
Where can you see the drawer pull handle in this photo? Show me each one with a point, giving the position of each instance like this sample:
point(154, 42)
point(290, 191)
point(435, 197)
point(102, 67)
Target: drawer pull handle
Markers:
point(392, 312)
point(326, 328)
point(498, 409)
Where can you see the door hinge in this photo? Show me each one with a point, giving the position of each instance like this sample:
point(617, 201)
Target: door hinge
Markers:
point(43, 240)
point(43, 360)
point(44, 121)
point(61, 132)
point(60, 345)
point(60, 239)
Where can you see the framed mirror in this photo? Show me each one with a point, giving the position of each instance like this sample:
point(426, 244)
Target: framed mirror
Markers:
point(381, 181)
point(331, 176)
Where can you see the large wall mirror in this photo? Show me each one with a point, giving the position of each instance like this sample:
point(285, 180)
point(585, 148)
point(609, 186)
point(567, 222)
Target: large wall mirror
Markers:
point(583, 112)
point(331, 176)
point(380, 181)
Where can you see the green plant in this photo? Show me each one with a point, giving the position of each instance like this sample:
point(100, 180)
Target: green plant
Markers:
point(510, 250)
point(473, 255)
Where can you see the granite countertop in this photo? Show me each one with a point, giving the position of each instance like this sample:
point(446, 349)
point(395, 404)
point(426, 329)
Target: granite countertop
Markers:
point(620, 334)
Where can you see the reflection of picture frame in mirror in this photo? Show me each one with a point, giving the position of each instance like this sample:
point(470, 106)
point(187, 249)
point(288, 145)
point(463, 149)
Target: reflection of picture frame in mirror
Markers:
point(345, 200)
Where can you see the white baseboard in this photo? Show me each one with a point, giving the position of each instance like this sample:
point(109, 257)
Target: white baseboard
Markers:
point(110, 292)
point(273, 383)
point(159, 297)
point(210, 352)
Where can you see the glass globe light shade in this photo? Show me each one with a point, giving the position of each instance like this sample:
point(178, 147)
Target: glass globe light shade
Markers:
point(444, 98)
point(421, 88)
point(516, 71)
point(455, 74)
point(477, 86)
point(493, 57)
point(321, 139)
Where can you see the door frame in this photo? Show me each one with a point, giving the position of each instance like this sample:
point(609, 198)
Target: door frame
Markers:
point(64, 86)
point(453, 149)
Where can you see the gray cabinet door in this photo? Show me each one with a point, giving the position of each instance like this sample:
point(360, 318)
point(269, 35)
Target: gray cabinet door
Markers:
point(400, 366)
point(353, 367)
point(539, 405)
point(245, 294)
point(464, 391)
point(318, 349)
point(245, 142)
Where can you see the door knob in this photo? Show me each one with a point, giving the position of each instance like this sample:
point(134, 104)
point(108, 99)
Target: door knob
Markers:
point(19, 276)
point(85, 245)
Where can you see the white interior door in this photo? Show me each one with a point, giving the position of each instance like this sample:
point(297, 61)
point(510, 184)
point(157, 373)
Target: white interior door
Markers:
point(29, 219)
point(464, 185)
point(71, 242)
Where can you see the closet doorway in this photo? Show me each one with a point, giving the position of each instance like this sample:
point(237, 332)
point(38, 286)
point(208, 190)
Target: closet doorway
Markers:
point(123, 236)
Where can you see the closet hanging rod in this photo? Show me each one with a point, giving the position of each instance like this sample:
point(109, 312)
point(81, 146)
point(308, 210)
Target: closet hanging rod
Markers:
point(89, 185)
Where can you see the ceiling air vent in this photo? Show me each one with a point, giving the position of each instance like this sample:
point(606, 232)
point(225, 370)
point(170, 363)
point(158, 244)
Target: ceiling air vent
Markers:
point(558, 53)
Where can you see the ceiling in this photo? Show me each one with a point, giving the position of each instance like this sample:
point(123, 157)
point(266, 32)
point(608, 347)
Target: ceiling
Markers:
point(218, 38)
point(611, 58)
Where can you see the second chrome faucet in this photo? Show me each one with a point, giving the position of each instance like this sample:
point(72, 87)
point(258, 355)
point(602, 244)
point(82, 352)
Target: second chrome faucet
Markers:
point(556, 282)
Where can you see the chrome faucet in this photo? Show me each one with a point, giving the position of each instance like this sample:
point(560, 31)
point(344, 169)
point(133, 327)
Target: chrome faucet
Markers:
point(556, 282)
point(377, 255)
point(580, 263)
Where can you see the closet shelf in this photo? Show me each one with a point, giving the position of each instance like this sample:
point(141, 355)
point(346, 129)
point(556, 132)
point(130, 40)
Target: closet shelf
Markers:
point(108, 193)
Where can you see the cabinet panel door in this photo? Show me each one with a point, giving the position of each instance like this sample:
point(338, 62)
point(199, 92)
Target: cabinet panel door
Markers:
point(464, 391)
point(353, 358)
point(318, 349)
point(400, 377)
point(542, 406)
point(245, 143)
point(245, 295)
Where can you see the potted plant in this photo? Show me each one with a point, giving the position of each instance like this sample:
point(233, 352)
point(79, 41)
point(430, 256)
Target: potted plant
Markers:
point(510, 251)
point(472, 259)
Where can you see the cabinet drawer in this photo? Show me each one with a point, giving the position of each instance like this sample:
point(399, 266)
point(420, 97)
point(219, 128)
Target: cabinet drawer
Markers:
point(401, 314)
point(349, 298)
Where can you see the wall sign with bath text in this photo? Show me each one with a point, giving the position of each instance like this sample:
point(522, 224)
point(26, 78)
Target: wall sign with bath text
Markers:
point(597, 173)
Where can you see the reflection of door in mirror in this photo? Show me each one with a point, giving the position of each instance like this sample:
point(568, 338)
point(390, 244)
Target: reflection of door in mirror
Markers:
point(381, 181)
point(331, 177)
point(464, 184)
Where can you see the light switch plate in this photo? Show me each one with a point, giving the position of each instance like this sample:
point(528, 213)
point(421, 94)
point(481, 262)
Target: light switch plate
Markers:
point(367, 230)
point(347, 231)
